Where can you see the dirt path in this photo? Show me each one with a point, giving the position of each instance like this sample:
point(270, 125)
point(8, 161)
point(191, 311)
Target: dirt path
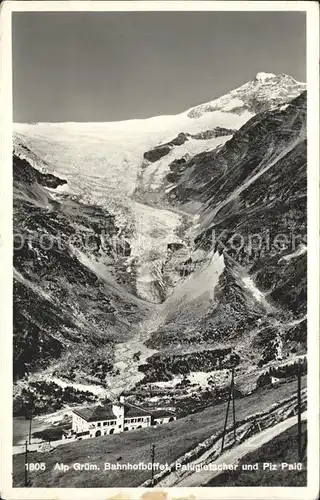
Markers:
point(190, 478)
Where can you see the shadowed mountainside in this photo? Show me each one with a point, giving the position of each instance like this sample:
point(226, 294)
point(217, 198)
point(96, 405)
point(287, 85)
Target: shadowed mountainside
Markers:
point(253, 195)
point(69, 289)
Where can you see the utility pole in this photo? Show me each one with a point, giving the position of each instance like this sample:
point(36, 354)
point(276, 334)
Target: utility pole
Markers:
point(30, 424)
point(152, 463)
point(29, 408)
point(26, 464)
point(230, 395)
point(299, 416)
point(233, 407)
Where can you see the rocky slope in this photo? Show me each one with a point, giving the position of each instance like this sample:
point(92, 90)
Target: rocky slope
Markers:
point(165, 262)
point(71, 287)
point(252, 193)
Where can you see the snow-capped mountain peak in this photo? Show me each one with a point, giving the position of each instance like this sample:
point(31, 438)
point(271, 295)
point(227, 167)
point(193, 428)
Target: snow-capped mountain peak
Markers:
point(96, 149)
point(264, 91)
point(262, 77)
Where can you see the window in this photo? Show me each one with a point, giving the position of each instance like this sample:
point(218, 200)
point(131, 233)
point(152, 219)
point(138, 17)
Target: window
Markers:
point(99, 424)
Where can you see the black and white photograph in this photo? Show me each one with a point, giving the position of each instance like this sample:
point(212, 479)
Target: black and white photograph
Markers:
point(160, 175)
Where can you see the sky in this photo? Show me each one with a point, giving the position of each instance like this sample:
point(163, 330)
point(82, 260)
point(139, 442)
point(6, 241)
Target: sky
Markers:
point(108, 66)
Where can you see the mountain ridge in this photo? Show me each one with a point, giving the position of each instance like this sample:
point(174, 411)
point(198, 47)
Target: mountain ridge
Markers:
point(259, 77)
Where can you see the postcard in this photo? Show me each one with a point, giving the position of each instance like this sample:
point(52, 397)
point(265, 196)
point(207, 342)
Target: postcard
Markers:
point(159, 250)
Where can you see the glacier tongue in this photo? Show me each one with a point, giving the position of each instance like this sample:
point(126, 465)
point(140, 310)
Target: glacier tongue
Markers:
point(103, 165)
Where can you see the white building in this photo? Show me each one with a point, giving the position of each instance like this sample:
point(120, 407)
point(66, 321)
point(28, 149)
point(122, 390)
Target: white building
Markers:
point(114, 418)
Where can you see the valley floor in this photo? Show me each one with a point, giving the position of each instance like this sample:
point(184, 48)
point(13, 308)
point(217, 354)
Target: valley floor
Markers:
point(171, 441)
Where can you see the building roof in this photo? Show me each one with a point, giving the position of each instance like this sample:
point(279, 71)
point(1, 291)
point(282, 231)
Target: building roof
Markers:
point(96, 413)
point(104, 412)
point(163, 413)
point(131, 410)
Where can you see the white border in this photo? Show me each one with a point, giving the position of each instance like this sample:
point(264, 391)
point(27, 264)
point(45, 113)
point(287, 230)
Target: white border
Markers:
point(6, 490)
